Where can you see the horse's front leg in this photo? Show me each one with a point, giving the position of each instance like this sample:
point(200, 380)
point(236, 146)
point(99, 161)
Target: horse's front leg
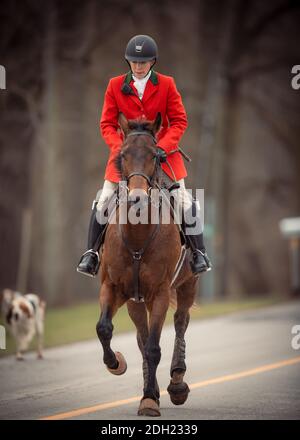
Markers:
point(158, 309)
point(138, 314)
point(114, 361)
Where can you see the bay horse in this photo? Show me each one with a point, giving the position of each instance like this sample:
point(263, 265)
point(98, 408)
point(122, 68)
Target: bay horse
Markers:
point(156, 249)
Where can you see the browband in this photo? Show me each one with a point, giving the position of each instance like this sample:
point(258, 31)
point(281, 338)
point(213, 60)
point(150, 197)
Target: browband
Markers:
point(140, 133)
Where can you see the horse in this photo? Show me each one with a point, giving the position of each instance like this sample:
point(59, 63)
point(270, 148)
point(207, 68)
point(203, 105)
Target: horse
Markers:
point(141, 259)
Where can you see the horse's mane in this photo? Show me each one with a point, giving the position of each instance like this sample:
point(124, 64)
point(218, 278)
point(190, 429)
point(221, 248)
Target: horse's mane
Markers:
point(138, 125)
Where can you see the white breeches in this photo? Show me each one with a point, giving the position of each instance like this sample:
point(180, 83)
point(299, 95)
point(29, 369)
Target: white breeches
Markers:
point(183, 199)
point(182, 195)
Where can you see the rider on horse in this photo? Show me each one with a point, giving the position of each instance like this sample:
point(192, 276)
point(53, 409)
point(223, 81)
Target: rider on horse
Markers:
point(141, 94)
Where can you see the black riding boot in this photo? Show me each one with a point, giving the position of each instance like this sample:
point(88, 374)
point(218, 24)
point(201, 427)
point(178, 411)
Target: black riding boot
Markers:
point(201, 262)
point(90, 261)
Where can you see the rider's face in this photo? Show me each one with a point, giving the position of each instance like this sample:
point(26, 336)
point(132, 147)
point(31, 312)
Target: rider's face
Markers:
point(140, 68)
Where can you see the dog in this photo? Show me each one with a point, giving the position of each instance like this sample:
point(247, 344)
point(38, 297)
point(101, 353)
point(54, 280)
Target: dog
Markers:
point(24, 316)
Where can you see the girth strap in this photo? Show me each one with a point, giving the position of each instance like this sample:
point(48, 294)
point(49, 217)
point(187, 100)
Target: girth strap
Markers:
point(137, 256)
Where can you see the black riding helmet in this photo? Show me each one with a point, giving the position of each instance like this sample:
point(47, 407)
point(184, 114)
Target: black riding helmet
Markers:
point(141, 48)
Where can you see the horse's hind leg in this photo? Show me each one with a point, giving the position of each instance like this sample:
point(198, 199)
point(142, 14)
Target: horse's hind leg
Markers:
point(115, 362)
point(138, 314)
point(178, 389)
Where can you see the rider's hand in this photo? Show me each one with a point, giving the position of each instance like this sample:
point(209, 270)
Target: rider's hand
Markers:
point(161, 154)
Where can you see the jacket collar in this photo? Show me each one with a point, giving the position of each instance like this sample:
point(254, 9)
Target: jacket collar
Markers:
point(150, 89)
point(153, 78)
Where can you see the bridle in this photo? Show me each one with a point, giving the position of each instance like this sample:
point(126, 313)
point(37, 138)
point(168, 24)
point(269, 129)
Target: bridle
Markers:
point(149, 179)
point(141, 132)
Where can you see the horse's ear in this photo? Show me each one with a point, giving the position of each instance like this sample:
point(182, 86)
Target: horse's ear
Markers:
point(123, 122)
point(157, 123)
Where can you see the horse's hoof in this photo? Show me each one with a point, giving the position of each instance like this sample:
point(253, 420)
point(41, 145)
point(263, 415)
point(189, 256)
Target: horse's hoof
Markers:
point(148, 407)
point(122, 367)
point(178, 392)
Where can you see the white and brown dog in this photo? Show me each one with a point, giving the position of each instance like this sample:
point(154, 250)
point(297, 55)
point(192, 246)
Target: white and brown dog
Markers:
point(24, 316)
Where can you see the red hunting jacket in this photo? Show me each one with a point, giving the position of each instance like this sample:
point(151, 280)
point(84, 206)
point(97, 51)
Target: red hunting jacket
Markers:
point(160, 95)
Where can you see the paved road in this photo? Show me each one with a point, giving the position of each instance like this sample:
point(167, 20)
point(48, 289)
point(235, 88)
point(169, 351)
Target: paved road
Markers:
point(224, 358)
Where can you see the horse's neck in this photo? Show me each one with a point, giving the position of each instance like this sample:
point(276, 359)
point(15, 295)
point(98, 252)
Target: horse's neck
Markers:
point(137, 235)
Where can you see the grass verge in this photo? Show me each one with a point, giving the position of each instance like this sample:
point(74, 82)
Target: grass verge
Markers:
point(77, 322)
